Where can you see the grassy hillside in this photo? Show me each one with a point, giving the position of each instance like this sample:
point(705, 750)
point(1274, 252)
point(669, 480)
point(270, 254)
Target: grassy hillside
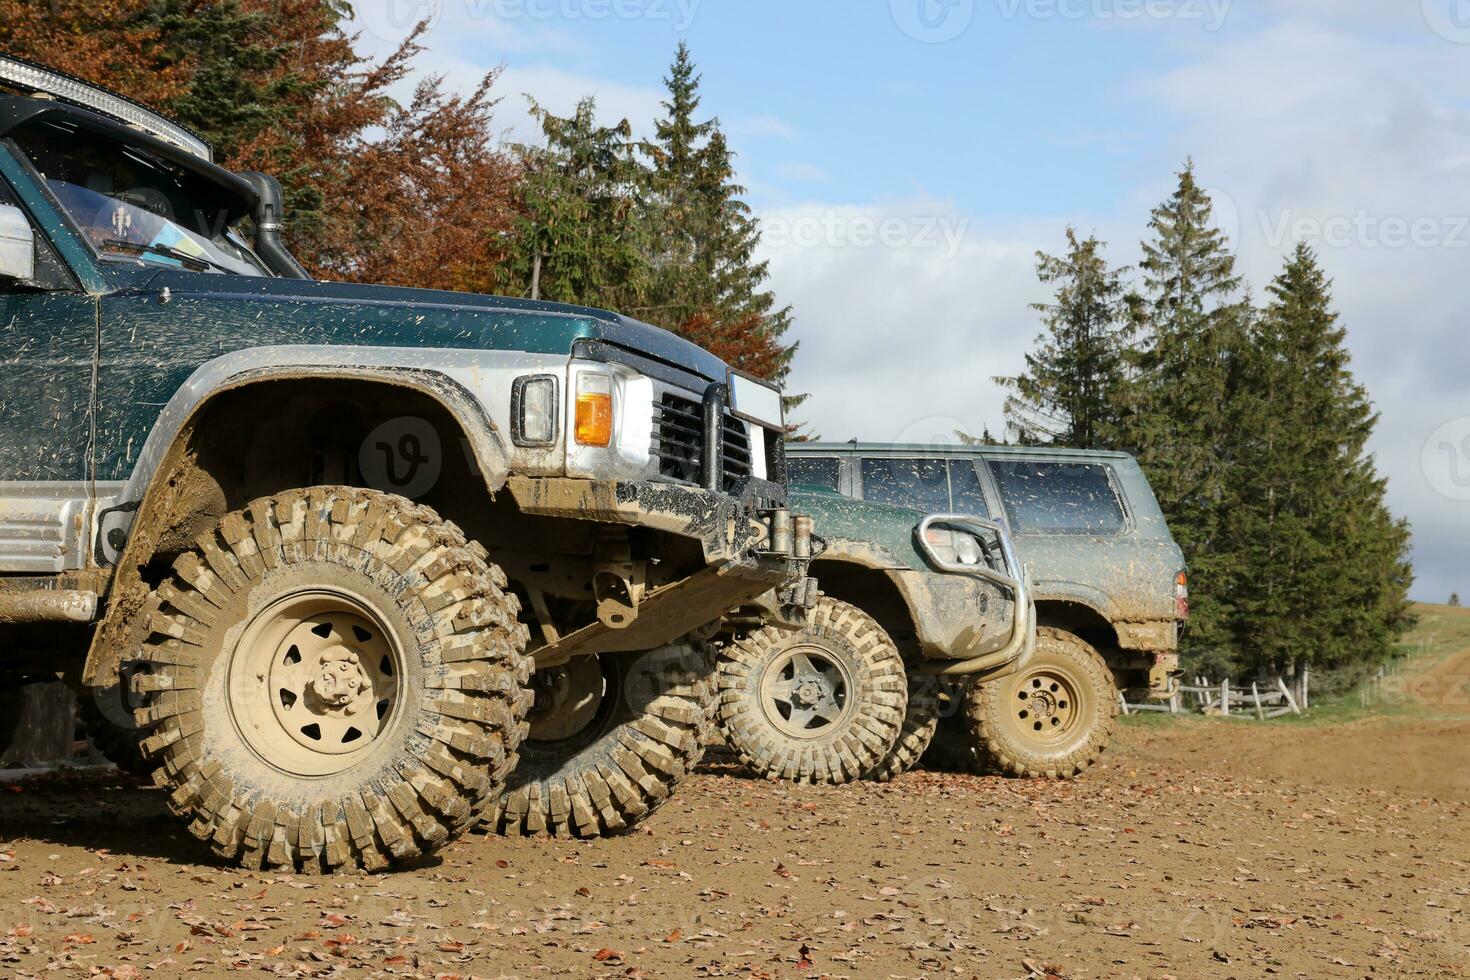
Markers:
point(1442, 630)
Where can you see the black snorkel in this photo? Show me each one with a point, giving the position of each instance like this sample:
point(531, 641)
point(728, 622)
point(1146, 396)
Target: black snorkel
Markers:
point(269, 217)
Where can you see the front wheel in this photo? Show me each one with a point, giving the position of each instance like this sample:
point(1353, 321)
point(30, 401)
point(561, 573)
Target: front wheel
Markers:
point(611, 738)
point(335, 679)
point(821, 705)
point(1051, 719)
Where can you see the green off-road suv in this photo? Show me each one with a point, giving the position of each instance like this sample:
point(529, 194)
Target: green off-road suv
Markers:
point(336, 548)
point(909, 602)
point(1108, 581)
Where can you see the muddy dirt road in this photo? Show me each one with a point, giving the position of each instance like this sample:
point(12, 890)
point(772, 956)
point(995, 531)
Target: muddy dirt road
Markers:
point(1198, 848)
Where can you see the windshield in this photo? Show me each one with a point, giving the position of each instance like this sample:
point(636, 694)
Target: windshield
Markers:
point(131, 203)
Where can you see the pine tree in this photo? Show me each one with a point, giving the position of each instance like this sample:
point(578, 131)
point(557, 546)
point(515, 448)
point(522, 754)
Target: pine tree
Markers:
point(1068, 393)
point(707, 283)
point(1307, 506)
point(1455, 599)
point(1179, 412)
point(584, 232)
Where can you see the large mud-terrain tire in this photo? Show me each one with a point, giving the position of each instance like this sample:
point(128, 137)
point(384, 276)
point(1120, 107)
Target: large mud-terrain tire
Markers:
point(611, 739)
point(336, 679)
point(108, 715)
point(920, 719)
point(821, 705)
point(1053, 718)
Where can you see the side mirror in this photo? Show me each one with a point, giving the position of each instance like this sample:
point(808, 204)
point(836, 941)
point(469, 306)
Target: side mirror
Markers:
point(17, 245)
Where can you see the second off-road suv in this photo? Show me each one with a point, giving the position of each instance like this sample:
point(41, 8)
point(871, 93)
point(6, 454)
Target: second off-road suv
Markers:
point(336, 548)
point(1108, 580)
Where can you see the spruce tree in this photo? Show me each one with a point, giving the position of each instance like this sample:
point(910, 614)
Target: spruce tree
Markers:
point(583, 236)
point(1314, 516)
point(706, 281)
point(1179, 411)
point(1068, 394)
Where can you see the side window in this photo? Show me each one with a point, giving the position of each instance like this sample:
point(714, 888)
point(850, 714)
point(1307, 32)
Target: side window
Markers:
point(1065, 498)
point(922, 484)
point(815, 471)
point(964, 488)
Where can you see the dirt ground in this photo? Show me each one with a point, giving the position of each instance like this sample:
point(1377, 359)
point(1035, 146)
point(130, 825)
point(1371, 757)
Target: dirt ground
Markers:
point(1197, 848)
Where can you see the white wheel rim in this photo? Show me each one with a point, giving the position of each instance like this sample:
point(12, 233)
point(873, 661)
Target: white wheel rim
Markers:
point(314, 682)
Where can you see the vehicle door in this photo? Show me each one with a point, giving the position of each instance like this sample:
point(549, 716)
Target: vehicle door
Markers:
point(48, 353)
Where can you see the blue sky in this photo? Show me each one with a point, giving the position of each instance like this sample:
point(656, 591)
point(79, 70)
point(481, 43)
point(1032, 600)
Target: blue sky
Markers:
point(908, 157)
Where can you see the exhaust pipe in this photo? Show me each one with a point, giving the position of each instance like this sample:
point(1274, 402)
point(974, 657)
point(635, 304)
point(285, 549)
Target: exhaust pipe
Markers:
point(269, 217)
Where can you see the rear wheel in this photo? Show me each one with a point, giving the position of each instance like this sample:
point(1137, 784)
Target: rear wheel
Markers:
point(107, 713)
point(954, 747)
point(335, 679)
point(920, 720)
point(611, 738)
point(821, 705)
point(1052, 719)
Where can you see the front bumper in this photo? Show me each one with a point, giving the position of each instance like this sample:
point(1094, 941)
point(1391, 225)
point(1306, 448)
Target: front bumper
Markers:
point(755, 551)
point(972, 652)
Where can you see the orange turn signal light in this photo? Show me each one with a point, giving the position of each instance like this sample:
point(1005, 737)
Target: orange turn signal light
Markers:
point(594, 410)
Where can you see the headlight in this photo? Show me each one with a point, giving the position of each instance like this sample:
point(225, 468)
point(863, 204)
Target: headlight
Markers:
point(967, 549)
point(534, 410)
point(955, 546)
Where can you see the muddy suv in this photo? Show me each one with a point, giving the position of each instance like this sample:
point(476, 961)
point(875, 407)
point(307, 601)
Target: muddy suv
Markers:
point(335, 548)
point(1109, 585)
point(908, 601)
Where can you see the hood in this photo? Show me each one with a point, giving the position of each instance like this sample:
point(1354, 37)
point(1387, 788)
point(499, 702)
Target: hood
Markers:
point(845, 522)
point(435, 318)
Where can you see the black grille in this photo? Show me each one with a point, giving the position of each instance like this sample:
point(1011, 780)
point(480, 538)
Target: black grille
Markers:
point(678, 442)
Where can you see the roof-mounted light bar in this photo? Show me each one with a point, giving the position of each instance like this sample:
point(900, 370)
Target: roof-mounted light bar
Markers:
point(34, 78)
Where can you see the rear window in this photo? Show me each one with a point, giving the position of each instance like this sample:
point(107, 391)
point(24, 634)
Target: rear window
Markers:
point(1065, 498)
point(814, 471)
point(922, 484)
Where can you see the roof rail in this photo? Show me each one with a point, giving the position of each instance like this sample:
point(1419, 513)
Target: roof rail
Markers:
point(31, 77)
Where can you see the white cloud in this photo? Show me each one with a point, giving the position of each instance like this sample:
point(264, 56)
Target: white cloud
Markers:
point(899, 340)
point(1358, 142)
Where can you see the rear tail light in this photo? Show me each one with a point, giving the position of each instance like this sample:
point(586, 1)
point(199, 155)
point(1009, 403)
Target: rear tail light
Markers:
point(1181, 595)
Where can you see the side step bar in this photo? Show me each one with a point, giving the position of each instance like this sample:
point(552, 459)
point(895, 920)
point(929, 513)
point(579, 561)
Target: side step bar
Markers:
point(48, 606)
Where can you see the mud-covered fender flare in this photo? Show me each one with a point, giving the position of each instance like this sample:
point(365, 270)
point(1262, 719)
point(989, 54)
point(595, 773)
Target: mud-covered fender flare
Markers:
point(1076, 594)
point(145, 491)
point(899, 574)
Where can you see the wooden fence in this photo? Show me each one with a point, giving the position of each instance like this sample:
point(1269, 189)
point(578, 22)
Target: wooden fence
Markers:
point(1258, 699)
